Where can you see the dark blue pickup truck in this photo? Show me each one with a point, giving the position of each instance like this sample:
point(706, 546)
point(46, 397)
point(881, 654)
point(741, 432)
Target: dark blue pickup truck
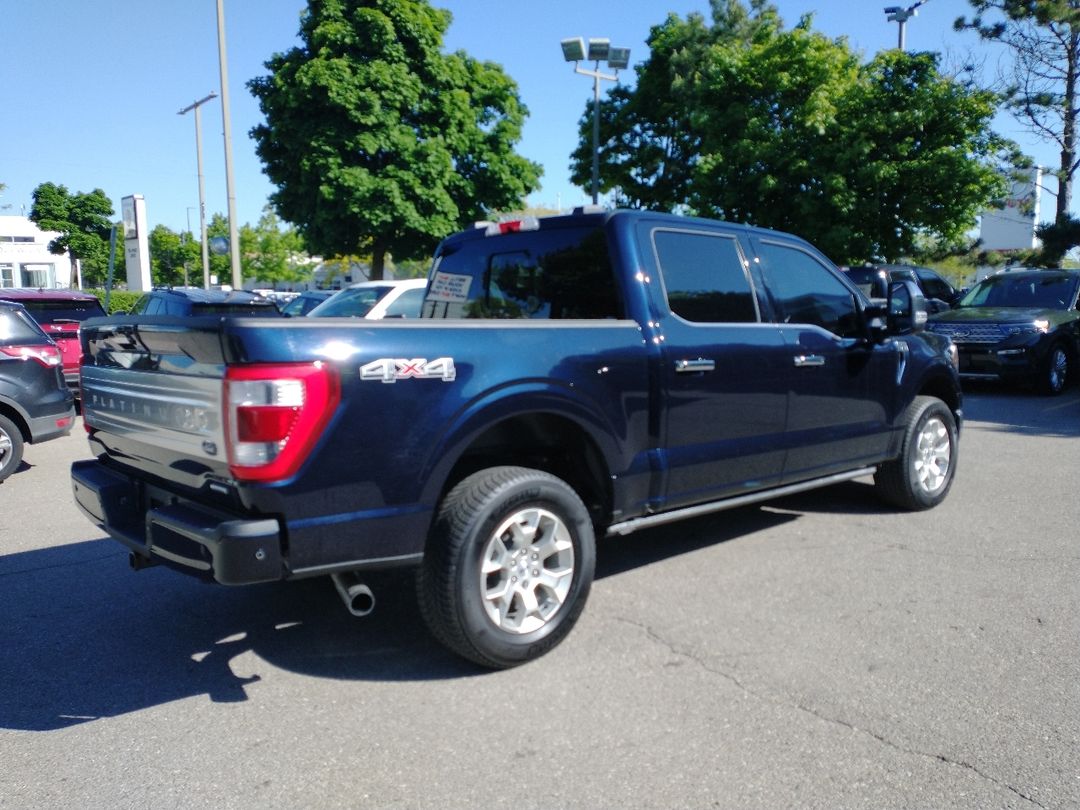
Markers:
point(586, 374)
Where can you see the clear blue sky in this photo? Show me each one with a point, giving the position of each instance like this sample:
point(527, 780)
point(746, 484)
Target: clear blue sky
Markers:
point(89, 91)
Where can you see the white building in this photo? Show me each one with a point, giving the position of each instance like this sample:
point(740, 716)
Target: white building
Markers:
point(25, 260)
point(1013, 226)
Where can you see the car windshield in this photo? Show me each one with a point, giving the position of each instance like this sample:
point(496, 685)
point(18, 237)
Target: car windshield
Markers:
point(299, 305)
point(355, 302)
point(46, 311)
point(1030, 291)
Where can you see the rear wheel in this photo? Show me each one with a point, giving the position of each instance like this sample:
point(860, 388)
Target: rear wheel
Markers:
point(920, 477)
point(1055, 371)
point(508, 566)
point(11, 447)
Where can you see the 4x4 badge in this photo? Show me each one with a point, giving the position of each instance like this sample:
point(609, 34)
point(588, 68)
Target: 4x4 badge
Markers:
point(390, 370)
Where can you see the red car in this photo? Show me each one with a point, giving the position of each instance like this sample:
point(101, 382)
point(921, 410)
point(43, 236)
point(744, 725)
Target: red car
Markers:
point(59, 313)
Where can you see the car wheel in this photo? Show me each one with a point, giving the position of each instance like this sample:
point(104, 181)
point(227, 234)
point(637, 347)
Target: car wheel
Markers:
point(508, 566)
point(1055, 372)
point(920, 477)
point(11, 447)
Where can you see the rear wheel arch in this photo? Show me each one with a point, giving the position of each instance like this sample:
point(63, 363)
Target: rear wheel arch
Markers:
point(11, 447)
point(544, 441)
point(17, 418)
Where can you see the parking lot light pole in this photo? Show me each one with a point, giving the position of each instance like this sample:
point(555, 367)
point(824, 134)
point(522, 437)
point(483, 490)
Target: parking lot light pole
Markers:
point(900, 15)
point(617, 59)
point(202, 188)
point(230, 185)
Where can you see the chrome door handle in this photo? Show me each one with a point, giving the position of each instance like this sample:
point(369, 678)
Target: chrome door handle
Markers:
point(805, 360)
point(694, 366)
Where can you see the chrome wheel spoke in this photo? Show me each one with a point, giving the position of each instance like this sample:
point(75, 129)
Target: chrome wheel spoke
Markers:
point(526, 570)
point(933, 456)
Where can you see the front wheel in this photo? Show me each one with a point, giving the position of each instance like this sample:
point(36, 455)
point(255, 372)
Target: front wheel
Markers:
point(920, 477)
point(11, 447)
point(508, 566)
point(1055, 372)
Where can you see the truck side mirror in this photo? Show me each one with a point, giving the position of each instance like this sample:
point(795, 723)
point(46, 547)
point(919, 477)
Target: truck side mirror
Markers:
point(907, 308)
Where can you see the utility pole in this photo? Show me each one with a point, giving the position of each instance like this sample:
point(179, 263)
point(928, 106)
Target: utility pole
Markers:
point(230, 185)
point(202, 189)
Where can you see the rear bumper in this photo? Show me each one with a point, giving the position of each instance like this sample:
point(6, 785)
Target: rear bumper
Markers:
point(201, 541)
point(52, 426)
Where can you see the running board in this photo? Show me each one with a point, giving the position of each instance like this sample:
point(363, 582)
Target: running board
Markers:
point(632, 525)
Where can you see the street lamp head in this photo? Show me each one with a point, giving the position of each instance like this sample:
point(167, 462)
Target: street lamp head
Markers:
point(599, 49)
point(892, 9)
point(618, 58)
point(573, 49)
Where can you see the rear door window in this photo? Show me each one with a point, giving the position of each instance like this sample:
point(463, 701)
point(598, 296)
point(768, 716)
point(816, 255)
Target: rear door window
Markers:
point(705, 277)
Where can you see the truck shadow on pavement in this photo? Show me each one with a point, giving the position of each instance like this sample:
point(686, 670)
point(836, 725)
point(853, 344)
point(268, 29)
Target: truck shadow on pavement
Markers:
point(85, 638)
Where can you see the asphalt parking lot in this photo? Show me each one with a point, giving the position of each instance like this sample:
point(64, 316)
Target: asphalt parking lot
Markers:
point(821, 651)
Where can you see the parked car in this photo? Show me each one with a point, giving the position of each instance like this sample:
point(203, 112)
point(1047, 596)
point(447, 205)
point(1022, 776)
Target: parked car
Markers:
point(874, 280)
point(1018, 326)
point(59, 313)
point(35, 403)
point(197, 301)
point(634, 369)
point(306, 301)
point(375, 299)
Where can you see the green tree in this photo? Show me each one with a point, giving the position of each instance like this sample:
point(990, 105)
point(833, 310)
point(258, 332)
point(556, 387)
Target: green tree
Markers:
point(1042, 92)
point(170, 252)
point(82, 220)
point(746, 120)
point(271, 252)
point(918, 161)
point(650, 146)
point(378, 142)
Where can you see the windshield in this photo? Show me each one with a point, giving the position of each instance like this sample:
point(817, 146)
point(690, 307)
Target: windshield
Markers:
point(302, 305)
point(1027, 290)
point(354, 302)
point(63, 311)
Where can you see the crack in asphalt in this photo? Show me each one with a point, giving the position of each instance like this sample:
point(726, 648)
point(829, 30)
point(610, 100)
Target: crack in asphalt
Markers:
point(787, 701)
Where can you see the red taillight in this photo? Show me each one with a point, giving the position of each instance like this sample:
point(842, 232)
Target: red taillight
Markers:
point(275, 414)
point(46, 354)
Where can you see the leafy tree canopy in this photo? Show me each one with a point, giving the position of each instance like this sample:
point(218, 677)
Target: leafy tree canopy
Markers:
point(1042, 84)
point(269, 252)
point(81, 219)
point(272, 252)
point(380, 143)
point(171, 254)
point(744, 119)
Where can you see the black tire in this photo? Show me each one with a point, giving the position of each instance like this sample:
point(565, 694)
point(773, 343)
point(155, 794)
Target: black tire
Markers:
point(508, 566)
point(11, 447)
point(1054, 374)
point(920, 477)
